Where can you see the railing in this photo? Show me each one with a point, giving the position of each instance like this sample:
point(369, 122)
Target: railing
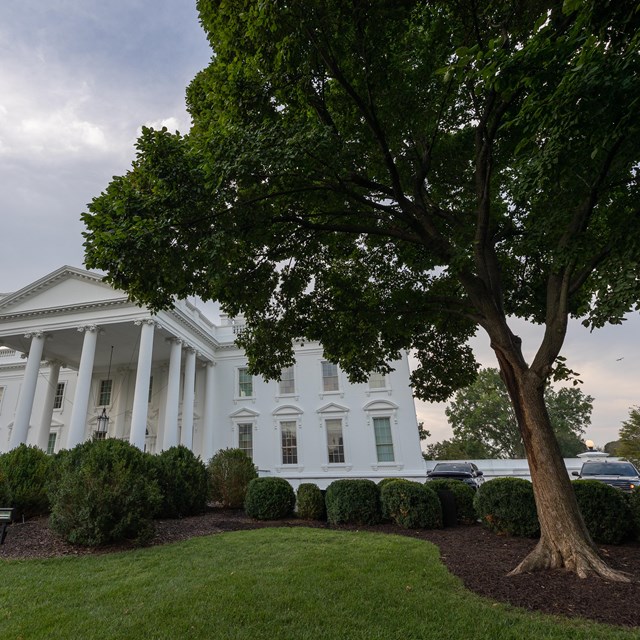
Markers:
point(7, 353)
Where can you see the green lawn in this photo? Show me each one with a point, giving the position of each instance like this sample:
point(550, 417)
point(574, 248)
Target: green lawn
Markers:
point(267, 583)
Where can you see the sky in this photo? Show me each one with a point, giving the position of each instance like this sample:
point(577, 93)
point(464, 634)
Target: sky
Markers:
point(78, 80)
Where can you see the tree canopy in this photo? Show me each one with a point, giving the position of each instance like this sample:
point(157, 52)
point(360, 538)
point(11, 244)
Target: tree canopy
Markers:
point(387, 175)
point(629, 438)
point(483, 420)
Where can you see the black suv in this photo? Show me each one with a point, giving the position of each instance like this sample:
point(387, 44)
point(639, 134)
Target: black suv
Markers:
point(620, 474)
point(465, 471)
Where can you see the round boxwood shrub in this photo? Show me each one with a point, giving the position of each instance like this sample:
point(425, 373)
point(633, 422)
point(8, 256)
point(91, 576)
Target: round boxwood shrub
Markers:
point(105, 491)
point(463, 495)
point(230, 472)
point(605, 511)
point(384, 514)
point(411, 505)
point(353, 501)
point(507, 506)
point(310, 502)
point(269, 499)
point(24, 476)
point(182, 478)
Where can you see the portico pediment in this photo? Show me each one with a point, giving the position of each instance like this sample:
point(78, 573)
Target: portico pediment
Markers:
point(66, 288)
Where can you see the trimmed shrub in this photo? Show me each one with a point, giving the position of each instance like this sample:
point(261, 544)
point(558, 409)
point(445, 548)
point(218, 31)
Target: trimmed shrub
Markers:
point(24, 474)
point(269, 499)
point(384, 514)
point(463, 495)
point(182, 478)
point(105, 491)
point(634, 505)
point(605, 510)
point(507, 506)
point(411, 505)
point(354, 501)
point(310, 502)
point(230, 472)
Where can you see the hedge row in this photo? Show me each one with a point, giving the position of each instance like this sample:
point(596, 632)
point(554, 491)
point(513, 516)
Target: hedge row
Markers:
point(105, 491)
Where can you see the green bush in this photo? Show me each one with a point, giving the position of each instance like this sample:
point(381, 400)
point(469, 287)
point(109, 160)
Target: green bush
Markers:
point(182, 478)
point(463, 495)
point(634, 505)
point(310, 502)
point(105, 491)
point(507, 506)
point(269, 499)
point(24, 473)
point(355, 501)
point(411, 505)
point(230, 472)
point(605, 511)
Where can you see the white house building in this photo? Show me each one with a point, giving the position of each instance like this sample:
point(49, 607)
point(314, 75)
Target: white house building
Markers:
point(79, 360)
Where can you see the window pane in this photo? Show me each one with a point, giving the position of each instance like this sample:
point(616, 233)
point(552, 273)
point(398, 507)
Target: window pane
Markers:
point(51, 444)
point(105, 392)
point(384, 443)
point(245, 438)
point(335, 442)
point(289, 442)
point(377, 381)
point(287, 383)
point(245, 383)
point(150, 390)
point(57, 401)
point(330, 376)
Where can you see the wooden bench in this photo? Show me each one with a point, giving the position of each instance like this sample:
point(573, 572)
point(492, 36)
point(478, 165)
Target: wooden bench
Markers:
point(6, 518)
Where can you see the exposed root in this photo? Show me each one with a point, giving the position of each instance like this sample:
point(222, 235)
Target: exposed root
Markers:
point(581, 560)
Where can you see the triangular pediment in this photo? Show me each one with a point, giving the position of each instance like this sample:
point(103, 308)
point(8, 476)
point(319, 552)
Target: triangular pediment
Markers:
point(65, 288)
point(332, 407)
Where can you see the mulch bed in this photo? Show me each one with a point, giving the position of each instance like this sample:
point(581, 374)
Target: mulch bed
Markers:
point(478, 557)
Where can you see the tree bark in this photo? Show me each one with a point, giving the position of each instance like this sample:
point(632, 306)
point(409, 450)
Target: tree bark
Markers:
point(564, 539)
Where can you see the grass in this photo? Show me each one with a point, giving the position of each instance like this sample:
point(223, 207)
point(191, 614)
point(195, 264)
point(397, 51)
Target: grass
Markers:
point(267, 583)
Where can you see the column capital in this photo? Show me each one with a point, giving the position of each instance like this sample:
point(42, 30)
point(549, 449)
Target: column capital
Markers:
point(174, 340)
point(91, 328)
point(34, 334)
point(55, 363)
point(143, 321)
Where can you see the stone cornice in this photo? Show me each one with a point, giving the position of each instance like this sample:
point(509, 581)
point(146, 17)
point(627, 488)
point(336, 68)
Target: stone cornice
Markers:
point(49, 311)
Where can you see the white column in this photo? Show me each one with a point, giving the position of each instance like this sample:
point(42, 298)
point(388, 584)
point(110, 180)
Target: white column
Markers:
point(207, 422)
point(78, 421)
point(120, 408)
point(141, 393)
point(47, 411)
point(28, 391)
point(170, 435)
point(188, 397)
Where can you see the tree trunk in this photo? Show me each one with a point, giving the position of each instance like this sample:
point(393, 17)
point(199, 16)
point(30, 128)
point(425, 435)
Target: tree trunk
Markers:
point(564, 539)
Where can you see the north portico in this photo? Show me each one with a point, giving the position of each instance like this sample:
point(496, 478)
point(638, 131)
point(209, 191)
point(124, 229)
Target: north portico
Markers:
point(74, 351)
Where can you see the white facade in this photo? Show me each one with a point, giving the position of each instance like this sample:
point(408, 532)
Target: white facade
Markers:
point(73, 348)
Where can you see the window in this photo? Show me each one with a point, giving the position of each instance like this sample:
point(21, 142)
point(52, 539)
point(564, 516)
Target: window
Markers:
point(59, 398)
point(51, 443)
point(377, 381)
point(384, 443)
point(335, 443)
point(245, 383)
point(150, 390)
point(245, 438)
point(105, 392)
point(330, 376)
point(287, 385)
point(289, 442)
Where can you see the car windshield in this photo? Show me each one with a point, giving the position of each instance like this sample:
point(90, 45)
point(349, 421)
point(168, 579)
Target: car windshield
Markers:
point(609, 469)
point(452, 467)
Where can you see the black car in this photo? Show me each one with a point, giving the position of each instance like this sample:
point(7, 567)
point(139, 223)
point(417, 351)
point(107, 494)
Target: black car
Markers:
point(620, 474)
point(465, 471)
